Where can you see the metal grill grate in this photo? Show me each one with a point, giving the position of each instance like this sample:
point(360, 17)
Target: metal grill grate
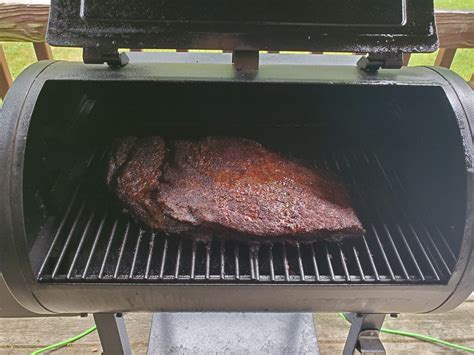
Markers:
point(93, 242)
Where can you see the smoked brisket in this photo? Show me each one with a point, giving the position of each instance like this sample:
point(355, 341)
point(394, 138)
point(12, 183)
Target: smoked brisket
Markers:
point(226, 186)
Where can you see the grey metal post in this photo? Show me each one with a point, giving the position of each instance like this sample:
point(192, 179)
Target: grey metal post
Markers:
point(112, 333)
point(364, 334)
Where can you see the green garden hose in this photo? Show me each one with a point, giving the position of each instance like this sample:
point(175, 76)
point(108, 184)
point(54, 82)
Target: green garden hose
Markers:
point(65, 342)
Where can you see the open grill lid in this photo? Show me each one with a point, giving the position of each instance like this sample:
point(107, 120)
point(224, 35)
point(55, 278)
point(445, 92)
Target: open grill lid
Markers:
point(375, 26)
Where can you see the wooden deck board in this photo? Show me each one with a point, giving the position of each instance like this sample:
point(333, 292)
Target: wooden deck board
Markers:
point(19, 336)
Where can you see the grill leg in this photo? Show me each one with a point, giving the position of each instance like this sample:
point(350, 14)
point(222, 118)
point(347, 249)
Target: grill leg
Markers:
point(364, 334)
point(112, 333)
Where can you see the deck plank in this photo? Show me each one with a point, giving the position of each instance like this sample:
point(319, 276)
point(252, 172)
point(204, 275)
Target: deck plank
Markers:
point(18, 336)
point(21, 335)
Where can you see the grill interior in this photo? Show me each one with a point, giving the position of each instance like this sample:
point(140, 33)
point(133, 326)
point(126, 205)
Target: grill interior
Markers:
point(390, 145)
point(94, 242)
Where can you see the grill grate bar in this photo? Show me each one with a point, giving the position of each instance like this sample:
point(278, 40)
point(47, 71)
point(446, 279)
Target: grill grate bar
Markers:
point(68, 240)
point(135, 253)
point(107, 251)
point(122, 249)
point(300, 262)
point(285, 263)
point(208, 260)
point(344, 264)
point(371, 259)
point(270, 262)
point(81, 243)
point(193, 259)
point(150, 255)
point(315, 263)
point(237, 262)
point(222, 259)
point(94, 245)
point(359, 265)
point(252, 265)
point(254, 249)
point(328, 259)
point(163, 259)
point(178, 258)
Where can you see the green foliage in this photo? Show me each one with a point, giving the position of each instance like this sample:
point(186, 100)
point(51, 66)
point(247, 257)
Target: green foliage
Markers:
point(21, 54)
point(463, 63)
point(454, 4)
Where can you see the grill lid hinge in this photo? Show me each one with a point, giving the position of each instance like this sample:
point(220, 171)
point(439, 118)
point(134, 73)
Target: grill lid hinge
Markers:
point(375, 61)
point(111, 56)
point(245, 61)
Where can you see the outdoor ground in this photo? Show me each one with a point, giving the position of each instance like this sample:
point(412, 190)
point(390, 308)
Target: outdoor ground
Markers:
point(20, 336)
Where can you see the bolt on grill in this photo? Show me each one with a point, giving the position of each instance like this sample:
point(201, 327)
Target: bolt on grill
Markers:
point(93, 242)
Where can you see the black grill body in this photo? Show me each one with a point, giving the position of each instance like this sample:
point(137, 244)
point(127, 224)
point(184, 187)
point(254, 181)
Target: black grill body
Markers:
point(400, 139)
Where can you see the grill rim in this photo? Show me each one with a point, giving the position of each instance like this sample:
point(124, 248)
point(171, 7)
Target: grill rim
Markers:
point(18, 108)
point(89, 298)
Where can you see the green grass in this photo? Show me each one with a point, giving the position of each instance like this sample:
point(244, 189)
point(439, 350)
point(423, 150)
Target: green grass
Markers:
point(454, 4)
point(20, 55)
point(463, 63)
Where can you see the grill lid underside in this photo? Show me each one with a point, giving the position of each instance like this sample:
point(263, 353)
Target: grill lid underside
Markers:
point(316, 25)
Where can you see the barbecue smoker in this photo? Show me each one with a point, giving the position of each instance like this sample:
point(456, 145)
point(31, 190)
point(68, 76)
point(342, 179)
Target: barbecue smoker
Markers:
point(400, 138)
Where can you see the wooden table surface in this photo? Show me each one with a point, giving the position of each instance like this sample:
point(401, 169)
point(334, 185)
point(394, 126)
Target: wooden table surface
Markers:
point(21, 336)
